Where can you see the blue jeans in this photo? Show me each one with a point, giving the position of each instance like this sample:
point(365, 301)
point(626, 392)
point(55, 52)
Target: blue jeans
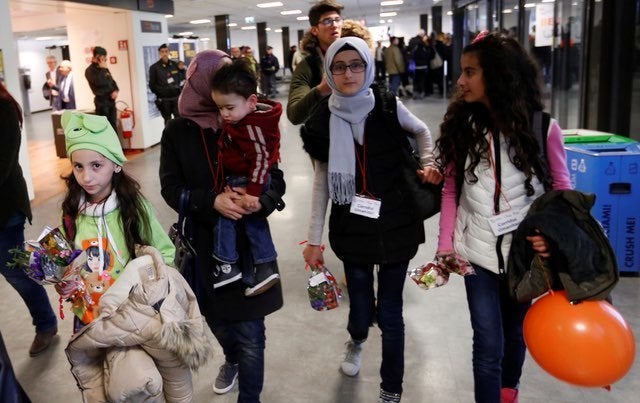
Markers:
point(243, 343)
point(33, 294)
point(256, 229)
point(394, 83)
point(498, 342)
point(388, 311)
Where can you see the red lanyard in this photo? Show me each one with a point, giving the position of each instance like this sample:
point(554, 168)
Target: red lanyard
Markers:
point(218, 172)
point(362, 165)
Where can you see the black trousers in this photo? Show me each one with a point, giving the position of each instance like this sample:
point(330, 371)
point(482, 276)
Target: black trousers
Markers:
point(107, 108)
point(168, 107)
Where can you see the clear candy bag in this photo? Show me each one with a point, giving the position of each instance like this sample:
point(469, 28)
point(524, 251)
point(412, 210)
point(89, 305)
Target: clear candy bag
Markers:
point(323, 289)
point(436, 273)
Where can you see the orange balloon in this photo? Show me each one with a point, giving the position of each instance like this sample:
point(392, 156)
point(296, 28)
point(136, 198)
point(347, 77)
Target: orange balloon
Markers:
point(586, 344)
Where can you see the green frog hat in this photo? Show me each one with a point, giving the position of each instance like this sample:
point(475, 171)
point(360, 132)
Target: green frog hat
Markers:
point(91, 132)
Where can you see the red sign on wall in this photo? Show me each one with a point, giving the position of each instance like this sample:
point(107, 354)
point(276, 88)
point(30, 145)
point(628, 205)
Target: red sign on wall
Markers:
point(123, 45)
point(113, 60)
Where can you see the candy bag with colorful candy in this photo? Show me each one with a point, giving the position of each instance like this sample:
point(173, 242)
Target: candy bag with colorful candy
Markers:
point(323, 289)
point(436, 273)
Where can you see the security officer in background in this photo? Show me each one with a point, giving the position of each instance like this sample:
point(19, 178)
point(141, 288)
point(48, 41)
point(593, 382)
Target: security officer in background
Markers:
point(103, 86)
point(164, 81)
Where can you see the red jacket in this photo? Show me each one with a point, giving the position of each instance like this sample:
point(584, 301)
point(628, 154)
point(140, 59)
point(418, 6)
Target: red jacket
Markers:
point(252, 145)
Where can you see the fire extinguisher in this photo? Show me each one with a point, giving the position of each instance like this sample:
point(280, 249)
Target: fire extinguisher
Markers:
point(127, 120)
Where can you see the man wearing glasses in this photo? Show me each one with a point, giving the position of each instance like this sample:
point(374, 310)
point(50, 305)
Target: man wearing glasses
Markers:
point(103, 86)
point(308, 85)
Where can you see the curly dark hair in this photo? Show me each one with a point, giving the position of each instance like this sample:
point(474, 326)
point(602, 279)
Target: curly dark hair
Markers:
point(236, 77)
point(512, 85)
point(134, 214)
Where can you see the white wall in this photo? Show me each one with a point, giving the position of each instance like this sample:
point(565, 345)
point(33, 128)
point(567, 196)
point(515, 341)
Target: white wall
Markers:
point(33, 55)
point(11, 63)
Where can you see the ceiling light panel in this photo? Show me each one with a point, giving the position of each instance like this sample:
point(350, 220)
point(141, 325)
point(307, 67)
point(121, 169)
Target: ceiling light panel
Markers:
point(269, 5)
point(291, 12)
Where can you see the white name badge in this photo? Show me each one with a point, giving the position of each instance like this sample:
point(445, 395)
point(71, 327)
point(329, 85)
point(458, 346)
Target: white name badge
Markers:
point(170, 80)
point(504, 223)
point(365, 206)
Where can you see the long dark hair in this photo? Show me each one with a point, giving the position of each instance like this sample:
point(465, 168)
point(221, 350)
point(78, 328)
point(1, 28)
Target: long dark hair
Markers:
point(134, 214)
point(512, 84)
point(6, 96)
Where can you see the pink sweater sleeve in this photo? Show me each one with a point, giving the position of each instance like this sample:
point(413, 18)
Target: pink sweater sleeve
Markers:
point(557, 158)
point(448, 209)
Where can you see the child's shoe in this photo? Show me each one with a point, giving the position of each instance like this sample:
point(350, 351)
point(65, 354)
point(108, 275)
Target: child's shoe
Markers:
point(350, 366)
point(389, 397)
point(225, 273)
point(508, 395)
point(265, 277)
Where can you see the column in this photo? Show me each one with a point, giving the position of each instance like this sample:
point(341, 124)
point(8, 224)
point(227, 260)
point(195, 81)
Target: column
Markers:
point(424, 23)
point(262, 40)
point(300, 35)
point(436, 19)
point(223, 38)
point(285, 46)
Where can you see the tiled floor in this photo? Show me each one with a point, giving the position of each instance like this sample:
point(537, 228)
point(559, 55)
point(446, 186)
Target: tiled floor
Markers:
point(304, 347)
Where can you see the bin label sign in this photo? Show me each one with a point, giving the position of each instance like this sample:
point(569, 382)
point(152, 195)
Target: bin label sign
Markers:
point(611, 170)
point(606, 218)
point(633, 169)
point(630, 242)
point(578, 166)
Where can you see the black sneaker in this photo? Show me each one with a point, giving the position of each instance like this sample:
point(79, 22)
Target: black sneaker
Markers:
point(226, 273)
point(265, 278)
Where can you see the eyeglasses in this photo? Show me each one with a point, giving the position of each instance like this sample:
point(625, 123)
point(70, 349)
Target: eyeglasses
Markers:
point(339, 69)
point(328, 21)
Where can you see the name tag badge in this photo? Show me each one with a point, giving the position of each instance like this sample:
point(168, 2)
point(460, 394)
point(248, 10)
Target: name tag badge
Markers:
point(365, 206)
point(505, 222)
point(170, 80)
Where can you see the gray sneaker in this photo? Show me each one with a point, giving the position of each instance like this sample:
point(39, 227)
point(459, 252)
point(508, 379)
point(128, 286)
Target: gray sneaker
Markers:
point(351, 364)
point(226, 378)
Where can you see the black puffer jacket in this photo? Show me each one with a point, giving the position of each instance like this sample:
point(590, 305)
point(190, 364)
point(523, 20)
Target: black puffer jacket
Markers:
point(582, 262)
point(395, 236)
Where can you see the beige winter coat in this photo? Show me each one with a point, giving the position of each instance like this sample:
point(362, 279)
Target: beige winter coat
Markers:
point(147, 339)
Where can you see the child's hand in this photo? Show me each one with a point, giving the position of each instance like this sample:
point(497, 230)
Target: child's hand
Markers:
point(430, 174)
point(251, 203)
point(539, 244)
point(313, 255)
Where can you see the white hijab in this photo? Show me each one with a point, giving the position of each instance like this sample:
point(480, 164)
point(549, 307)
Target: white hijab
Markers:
point(348, 116)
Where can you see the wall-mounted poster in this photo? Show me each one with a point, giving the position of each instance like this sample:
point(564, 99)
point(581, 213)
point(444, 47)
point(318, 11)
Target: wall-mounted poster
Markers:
point(189, 52)
point(150, 54)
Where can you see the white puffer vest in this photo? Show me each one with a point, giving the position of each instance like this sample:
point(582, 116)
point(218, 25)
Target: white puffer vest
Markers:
point(473, 238)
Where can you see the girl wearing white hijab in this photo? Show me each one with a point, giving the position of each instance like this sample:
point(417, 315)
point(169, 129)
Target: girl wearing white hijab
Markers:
point(371, 221)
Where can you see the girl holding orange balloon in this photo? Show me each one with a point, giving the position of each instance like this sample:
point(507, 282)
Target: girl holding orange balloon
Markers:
point(494, 170)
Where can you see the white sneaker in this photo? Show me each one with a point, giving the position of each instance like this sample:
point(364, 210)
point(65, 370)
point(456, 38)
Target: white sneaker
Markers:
point(351, 364)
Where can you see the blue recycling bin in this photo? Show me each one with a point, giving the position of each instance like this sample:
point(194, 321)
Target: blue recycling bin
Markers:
point(609, 166)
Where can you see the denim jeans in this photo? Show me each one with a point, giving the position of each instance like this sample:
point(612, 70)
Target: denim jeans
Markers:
point(33, 294)
point(243, 343)
point(256, 229)
point(498, 342)
point(388, 311)
point(394, 83)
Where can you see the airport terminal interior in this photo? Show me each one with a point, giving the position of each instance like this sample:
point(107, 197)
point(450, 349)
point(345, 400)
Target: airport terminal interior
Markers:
point(304, 347)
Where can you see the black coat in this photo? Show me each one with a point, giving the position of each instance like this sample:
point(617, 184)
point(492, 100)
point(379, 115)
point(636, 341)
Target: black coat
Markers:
point(582, 260)
point(12, 184)
point(183, 164)
point(393, 237)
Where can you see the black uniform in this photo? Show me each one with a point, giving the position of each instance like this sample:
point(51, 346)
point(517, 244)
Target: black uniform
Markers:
point(164, 81)
point(102, 85)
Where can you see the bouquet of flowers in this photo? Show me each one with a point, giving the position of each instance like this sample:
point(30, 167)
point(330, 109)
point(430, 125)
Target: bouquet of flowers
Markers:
point(323, 289)
point(436, 273)
point(52, 260)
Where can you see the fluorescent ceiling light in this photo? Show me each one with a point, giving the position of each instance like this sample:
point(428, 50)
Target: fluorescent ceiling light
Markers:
point(205, 39)
point(44, 38)
point(232, 24)
point(203, 21)
point(381, 21)
point(291, 12)
point(507, 11)
point(248, 27)
point(529, 5)
point(449, 12)
point(268, 5)
point(267, 29)
point(168, 16)
point(278, 30)
point(389, 20)
point(185, 33)
point(391, 3)
point(304, 18)
point(391, 14)
point(548, 1)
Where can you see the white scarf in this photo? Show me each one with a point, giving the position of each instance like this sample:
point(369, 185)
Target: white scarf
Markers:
point(348, 116)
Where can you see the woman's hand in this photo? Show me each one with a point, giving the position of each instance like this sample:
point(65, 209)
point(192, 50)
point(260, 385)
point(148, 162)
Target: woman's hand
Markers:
point(539, 244)
point(430, 174)
point(313, 255)
point(229, 204)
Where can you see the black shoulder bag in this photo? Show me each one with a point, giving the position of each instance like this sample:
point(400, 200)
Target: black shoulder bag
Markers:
point(425, 197)
point(185, 257)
